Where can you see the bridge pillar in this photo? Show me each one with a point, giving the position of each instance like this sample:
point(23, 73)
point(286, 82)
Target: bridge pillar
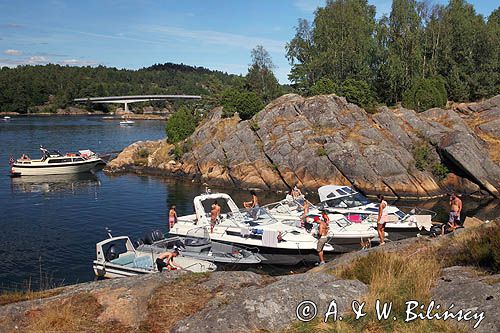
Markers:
point(126, 107)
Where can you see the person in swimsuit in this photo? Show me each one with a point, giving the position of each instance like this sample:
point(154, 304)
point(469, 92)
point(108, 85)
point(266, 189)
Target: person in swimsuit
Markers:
point(252, 205)
point(166, 260)
point(214, 214)
point(172, 217)
point(381, 218)
point(323, 239)
point(455, 210)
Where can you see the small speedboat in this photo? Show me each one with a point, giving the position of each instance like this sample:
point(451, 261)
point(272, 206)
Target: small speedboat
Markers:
point(55, 163)
point(343, 235)
point(6, 118)
point(358, 209)
point(277, 242)
point(127, 123)
point(117, 257)
point(199, 248)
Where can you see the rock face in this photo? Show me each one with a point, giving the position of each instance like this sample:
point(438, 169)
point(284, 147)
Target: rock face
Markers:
point(223, 302)
point(467, 290)
point(326, 140)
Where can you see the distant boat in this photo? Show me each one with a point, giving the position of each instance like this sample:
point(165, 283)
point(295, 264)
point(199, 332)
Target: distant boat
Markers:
point(127, 123)
point(55, 163)
point(6, 118)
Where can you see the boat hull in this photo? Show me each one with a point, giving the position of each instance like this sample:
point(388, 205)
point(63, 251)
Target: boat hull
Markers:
point(395, 234)
point(111, 271)
point(349, 244)
point(273, 255)
point(39, 170)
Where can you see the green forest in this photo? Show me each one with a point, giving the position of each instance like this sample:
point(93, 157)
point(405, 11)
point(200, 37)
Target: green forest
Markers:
point(420, 55)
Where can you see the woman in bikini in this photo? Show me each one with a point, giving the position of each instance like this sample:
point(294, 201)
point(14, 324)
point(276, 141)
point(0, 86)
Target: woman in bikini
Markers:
point(172, 217)
point(381, 218)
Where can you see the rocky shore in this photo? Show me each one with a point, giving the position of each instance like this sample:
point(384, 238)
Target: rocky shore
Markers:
point(322, 140)
point(442, 269)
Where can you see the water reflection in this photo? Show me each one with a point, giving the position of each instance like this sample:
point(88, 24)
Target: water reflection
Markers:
point(70, 183)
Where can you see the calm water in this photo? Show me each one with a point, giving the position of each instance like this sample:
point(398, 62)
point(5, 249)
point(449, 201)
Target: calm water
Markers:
point(50, 225)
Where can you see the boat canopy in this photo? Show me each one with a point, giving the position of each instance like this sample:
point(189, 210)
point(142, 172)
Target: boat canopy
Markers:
point(329, 192)
point(203, 203)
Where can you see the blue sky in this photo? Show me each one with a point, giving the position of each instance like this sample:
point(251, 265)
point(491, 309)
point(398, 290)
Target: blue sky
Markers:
point(217, 34)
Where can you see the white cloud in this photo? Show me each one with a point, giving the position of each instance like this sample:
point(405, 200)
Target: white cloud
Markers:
point(220, 38)
point(12, 52)
point(76, 62)
point(308, 6)
point(37, 60)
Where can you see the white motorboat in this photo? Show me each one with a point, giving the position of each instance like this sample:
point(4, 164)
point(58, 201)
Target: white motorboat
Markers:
point(277, 242)
point(127, 123)
point(344, 235)
point(117, 257)
point(199, 248)
point(55, 163)
point(358, 209)
point(6, 118)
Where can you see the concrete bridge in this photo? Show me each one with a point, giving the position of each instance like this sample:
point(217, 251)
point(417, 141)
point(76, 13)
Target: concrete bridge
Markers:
point(133, 99)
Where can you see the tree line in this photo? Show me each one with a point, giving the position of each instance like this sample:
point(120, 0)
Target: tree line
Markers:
point(24, 87)
point(420, 54)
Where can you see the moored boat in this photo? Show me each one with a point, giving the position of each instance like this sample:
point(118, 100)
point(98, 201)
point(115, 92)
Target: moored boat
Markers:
point(55, 163)
point(127, 123)
point(199, 248)
point(358, 209)
point(117, 257)
point(277, 242)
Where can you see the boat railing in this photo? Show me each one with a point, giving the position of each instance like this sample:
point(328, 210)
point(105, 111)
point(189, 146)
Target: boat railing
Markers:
point(416, 211)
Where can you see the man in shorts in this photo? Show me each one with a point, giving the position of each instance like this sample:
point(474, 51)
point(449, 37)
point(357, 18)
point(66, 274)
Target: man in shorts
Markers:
point(323, 239)
point(455, 210)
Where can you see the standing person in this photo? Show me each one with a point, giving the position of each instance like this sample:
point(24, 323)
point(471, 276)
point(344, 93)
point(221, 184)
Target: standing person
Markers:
point(214, 215)
point(172, 217)
point(325, 217)
point(455, 210)
point(381, 218)
point(166, 260)
point(323, 239)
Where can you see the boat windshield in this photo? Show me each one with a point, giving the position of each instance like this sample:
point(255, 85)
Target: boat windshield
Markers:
point(350, 201)
point(257, 216)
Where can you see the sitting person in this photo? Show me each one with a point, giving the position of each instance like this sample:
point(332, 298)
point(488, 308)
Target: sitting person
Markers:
point(252, 205)
point(166, 259)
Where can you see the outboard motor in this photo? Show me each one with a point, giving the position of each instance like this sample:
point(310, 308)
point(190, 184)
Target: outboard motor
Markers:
point(138, 243)
point(153, 236)
point(111, 253)
point(157, 235)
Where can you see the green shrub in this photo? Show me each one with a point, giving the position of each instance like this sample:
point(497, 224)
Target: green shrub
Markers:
point(440, 171)
point(323, 86)
point(421, 154)
point(247, 104)
point(321, 151)
point(254, 125)
point(358, 92)
point(180, 125)
point(425, 94)
point(181, 148)
point(143, 153)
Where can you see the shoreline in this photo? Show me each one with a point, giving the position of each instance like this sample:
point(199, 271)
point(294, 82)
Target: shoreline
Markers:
point(115, 117)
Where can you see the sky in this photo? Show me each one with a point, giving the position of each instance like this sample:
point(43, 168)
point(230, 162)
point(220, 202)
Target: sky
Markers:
point(216, 34)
